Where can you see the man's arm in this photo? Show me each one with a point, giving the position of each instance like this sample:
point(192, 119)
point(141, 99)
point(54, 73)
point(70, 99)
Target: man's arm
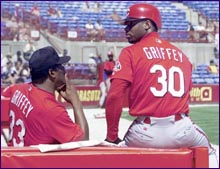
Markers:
point(70, 95)
point(114, 105)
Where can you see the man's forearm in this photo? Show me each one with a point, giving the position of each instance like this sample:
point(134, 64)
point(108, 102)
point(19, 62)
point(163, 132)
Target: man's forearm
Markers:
point(80, 118)
point(114, 105)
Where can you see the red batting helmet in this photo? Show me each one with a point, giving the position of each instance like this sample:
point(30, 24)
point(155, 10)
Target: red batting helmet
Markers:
point(142, 11)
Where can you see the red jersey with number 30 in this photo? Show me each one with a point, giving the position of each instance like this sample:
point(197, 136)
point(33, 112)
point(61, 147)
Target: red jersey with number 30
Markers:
point(37, 118)
point(160, 77)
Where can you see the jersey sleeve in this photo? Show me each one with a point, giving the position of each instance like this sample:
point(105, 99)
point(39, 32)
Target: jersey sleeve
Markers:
point(114, 104)
point(7, 92)
point(63, 129)
point(123, 67)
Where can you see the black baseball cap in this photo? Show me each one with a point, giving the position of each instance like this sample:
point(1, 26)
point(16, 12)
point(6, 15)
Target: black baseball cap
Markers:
point(44, 58)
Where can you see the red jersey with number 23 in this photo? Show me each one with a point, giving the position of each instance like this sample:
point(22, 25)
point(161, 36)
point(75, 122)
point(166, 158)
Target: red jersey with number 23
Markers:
point(160, 77)
point(37, 118)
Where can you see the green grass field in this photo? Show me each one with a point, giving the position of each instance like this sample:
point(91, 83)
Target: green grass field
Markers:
point(207, 117)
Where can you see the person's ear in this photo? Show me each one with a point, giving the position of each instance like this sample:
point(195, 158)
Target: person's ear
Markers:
point(52, 73)
point(147, 25)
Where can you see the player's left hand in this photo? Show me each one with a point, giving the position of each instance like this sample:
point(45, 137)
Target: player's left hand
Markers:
point(69, 92)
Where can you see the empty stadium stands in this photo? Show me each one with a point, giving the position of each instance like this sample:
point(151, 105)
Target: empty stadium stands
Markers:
point(75, 17)
point(201, 76)
point(210, 9)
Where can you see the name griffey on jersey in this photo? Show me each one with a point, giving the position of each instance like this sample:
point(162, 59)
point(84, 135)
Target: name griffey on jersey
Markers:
point(163, 53)
point(22, 102)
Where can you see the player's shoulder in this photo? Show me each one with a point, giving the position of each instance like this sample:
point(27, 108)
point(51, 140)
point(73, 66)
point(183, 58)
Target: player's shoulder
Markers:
point(128, 49)
point(58, 111)
point(14, 85)
point(51, 109)
point(132, 50)
point(11, 88)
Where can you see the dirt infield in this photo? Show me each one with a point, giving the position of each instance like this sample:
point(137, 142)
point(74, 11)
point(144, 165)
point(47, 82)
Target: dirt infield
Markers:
point(97, 123)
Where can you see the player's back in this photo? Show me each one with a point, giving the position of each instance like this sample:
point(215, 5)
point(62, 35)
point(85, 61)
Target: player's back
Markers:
point(161, 78)
point(30, 114)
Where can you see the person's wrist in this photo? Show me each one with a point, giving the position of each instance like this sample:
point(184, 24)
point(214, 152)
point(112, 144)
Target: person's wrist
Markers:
point(118, 140)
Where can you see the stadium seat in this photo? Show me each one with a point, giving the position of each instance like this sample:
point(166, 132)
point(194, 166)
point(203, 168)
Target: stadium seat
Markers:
point(209, 80)
point(208, 8)
point(173, 18)
point(216, 80)
point(195, 75)
point(200, 81)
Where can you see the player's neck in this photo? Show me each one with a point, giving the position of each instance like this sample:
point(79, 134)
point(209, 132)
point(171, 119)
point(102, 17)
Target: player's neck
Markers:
point(44, 86)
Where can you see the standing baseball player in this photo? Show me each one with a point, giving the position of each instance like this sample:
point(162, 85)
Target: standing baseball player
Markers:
point(108, 67)
point(35, 115)
point(158, 75)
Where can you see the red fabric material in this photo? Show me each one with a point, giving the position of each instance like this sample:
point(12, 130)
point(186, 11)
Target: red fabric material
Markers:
point(114, 104)
point(37, 118)
point(160, 76)
point(109, 65)
point(103, 157)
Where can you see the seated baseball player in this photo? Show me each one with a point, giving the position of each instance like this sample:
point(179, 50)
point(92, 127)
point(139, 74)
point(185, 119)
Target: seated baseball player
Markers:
point(159, 76)
point(35, 115)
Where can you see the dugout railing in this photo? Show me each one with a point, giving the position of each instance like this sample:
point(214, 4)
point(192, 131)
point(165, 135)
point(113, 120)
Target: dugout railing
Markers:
point(105, 157)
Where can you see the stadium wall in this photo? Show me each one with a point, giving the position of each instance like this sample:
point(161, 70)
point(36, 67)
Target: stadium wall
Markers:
point(90, 96)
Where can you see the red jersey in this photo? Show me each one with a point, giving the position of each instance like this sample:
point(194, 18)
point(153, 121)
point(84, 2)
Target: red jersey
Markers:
point(109, 66)
point(37, 118)
point(160, 77)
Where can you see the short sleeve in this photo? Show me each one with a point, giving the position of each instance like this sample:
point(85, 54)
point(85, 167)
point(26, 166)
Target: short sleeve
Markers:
point(63, 129)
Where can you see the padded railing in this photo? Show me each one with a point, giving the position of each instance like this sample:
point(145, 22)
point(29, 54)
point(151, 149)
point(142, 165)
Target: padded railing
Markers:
point(105, 157)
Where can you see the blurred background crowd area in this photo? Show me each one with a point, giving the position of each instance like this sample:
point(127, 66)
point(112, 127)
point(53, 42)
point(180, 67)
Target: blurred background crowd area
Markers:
point(94, 27)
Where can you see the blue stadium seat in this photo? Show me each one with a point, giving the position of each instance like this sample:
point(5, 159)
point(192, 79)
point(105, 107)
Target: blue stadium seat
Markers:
point(173, 18)
point(200, 81)
point(216, 80)
point(208, 8)
point(209, 80)
point(211, 75)
point(195, 76)
point(194, 81)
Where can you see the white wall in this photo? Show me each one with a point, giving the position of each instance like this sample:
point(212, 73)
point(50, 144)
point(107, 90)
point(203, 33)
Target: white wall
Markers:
point(79, 51)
